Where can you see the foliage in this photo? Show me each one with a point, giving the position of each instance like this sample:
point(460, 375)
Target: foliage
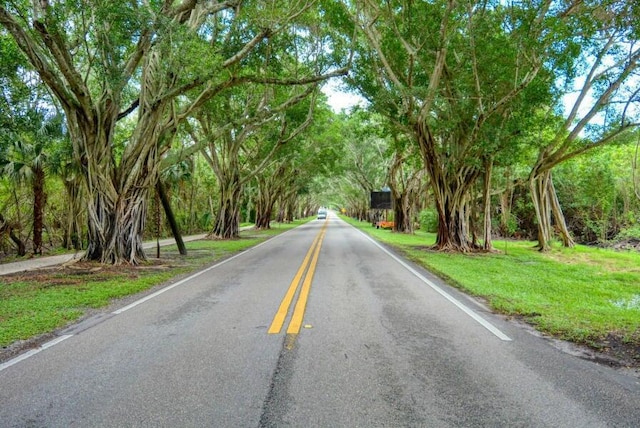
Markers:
point(429, 221)
point(364, 164)
point(459, 80)
point(588, 191)
point(632, 232)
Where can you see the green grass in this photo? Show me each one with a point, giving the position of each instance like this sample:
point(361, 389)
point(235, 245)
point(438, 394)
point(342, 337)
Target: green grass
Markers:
point(581, 294)
point(40, 302)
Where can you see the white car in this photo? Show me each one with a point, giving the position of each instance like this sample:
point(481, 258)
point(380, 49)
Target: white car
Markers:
point(322, 214)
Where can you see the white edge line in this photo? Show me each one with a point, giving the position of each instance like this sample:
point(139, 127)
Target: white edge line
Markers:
point(33, 352)
point(486, 324)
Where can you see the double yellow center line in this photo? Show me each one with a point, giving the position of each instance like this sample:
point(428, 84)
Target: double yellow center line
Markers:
point(309, 266)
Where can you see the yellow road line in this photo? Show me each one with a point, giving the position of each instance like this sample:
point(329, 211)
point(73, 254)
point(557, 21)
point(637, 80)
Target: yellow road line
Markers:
point(281, 314)
point(301, 304)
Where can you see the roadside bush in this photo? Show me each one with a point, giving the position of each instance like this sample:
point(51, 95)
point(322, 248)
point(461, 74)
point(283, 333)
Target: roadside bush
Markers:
point(632, 232)
point(429, 220)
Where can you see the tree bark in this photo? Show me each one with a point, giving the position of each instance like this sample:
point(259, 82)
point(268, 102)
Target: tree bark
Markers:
point(506, 198)
point(73, 232)
point(450, 195)
point(38, 209)
point(115, 234)
point(400, 199)
point(227, 225)
point(6, 227)
point(488, 169)
point(558, 216)
point(539, 185)
point(171, 219)
point(547, 208)
point(264, 205)
point(264, 212)
point(263, 218)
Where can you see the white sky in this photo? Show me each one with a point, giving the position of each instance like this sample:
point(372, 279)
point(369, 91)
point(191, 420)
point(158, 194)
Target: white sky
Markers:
point(338, 99)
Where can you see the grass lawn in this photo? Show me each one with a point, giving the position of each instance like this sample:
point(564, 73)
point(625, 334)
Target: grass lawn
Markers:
point(36, 302)
point(583, 294)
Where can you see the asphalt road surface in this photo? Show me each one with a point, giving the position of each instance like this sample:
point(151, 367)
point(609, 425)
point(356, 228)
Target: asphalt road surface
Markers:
point(318, 327)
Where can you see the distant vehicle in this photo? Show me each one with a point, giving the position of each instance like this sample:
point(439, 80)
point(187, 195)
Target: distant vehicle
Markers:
point(322, 214)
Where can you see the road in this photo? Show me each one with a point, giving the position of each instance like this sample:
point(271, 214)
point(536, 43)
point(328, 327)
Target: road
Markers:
point(365, 340)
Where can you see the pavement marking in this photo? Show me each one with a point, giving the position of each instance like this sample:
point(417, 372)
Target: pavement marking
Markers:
point(283, 309)
point(309, 265)
point(486, 324)
point(298, 312)
point(33, 352)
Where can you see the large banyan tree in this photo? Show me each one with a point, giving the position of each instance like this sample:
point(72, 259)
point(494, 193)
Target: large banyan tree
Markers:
point(151, 64)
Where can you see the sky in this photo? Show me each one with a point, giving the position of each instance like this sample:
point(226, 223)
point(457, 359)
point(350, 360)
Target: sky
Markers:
point(338, 99)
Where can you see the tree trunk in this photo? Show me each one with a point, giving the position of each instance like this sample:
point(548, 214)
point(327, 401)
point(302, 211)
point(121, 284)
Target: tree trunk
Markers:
point(73, 232)
point(173, 224)
point(404, 190)
point(453, 230)
point(263, 218)
point(506, 202)
point(546, 204)
point(117, 212)
point(539, 185)
point(265, 202)
point(402, 213)
point(558, 216)
point(488, 169)
point(290, 212)
point(115, 229)
point(8, 228)
point(249, 209)
point(38, 209)
point(264, 210)
point(451, 206)
point(227, 224)
point(450, 192)
point(22, 248)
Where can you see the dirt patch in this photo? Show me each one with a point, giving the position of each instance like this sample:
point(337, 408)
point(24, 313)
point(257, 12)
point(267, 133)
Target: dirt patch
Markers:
point(80, 271)
point(625, 351)
point(614, 351)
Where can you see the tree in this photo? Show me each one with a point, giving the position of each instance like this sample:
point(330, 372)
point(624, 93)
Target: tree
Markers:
point(298, 166)
point(605, 107)
point(446, 72)
point(106, 62)
point(406, 181)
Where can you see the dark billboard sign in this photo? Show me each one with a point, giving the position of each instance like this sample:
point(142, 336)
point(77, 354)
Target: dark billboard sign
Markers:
point(380, 201)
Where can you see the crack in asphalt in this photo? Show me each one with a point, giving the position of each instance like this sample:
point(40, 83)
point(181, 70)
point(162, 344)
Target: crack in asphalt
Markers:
point(276, 404)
